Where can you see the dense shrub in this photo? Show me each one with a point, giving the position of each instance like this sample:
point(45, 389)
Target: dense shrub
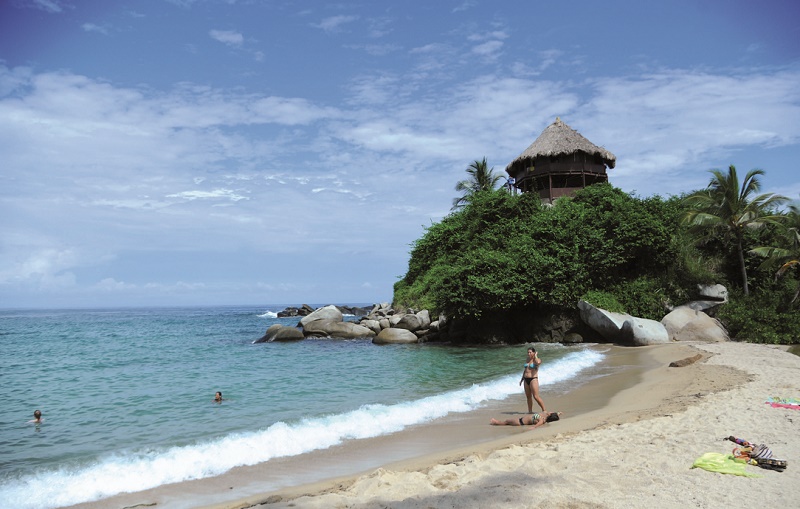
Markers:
point(506, 251)
point(603, 300)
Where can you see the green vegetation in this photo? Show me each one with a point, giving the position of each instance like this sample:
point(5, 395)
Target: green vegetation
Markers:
point(497, 251)
point(725, 206)
point(481, 179)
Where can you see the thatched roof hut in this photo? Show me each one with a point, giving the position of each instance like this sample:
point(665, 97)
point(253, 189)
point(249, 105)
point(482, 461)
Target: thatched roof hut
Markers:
point(559, 162)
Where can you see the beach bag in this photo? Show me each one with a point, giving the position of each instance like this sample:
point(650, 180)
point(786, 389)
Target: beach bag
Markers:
point(756, 454)
point(760, 452)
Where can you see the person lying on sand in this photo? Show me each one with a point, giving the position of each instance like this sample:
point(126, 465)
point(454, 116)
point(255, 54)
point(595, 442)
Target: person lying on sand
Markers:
point(535, 420)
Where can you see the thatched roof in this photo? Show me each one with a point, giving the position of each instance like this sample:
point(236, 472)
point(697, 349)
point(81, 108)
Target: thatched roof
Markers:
point(559, 139)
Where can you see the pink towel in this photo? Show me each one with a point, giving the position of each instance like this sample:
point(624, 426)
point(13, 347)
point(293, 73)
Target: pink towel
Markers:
point(782, 405)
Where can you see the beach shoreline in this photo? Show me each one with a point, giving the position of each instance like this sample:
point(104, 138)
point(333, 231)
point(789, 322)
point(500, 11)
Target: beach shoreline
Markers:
point(638, 447)
point(572, 463)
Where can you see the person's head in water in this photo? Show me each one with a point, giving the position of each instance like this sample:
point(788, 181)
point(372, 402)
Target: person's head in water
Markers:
point(37, 416)
point(218, 397)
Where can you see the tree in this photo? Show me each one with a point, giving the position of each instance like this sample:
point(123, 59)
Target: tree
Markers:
point(786, 255)
point(482, 178)
point(725, 205)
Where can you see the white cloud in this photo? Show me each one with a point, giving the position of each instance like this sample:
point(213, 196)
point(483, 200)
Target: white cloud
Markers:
point(91, 27)
point(51, 6)
point(194, 169)
point(228, 37)
point(488, 48)
point(465, 6)
point(216, 194)
point(334, 23)
point(43, 268)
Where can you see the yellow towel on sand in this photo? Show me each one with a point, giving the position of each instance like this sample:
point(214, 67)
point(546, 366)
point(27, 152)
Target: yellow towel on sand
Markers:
point(722, 463)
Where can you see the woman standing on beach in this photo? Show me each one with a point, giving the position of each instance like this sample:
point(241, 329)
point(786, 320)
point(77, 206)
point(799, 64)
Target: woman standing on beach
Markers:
point(530, 376)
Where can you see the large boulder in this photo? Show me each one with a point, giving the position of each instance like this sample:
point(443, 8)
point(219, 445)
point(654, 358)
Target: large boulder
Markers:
point(424, 318)
point(713, 292)
point(336, 329)
point(642, 332)
point(685, 323)
point(373, 325)
point(280, 332)
point(622, 328)
point(395, 335)
point(606, 323)
point(410, 322)
point(331, 313)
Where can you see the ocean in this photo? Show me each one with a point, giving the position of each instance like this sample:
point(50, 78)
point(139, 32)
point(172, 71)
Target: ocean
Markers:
point(126, 395)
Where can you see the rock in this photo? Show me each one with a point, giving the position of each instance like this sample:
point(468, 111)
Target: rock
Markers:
point(424, 318)
point(606, 323)
point(325, 313)
point(304, 310)
point(707, 306)
point(395, 336)
point(684, 323)
point(685, 362)
point(572, 337)
point(373, 325)
point(643, 332)
point(280, 332)
point(336, 329)
point(622, 328)
point(384, 323)
point(716, 293)
point(409, 322)
point(353, 310)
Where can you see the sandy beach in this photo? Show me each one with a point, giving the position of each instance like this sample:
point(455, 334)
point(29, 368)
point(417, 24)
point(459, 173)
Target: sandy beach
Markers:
point(626, 439)
point(637, 448)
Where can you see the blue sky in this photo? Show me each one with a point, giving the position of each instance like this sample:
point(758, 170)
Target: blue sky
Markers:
point(182, 152)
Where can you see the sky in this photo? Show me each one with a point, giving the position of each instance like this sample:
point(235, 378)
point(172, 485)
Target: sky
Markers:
point(244, 152)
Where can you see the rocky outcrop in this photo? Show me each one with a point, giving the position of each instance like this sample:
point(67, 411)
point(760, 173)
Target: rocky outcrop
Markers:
point(329, 322)
point(289, 312)
point(385, 325)
point(686, 323)
point(306, 310)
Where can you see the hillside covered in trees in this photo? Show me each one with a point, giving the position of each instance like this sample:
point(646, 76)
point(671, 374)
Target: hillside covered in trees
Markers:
point(499, 254)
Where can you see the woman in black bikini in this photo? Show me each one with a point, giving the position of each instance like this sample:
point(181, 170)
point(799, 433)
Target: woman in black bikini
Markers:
point(535, 420)
point(530, 375)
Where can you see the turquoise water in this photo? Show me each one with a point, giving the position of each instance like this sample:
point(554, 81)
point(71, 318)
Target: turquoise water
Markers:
point(126, 395)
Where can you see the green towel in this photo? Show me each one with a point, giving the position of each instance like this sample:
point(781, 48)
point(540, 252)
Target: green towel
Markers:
point(722, 463)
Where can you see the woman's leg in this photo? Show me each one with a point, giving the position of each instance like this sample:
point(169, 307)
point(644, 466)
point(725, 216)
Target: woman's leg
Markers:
point(507, 422)
point(535, 390)
point(528, 396)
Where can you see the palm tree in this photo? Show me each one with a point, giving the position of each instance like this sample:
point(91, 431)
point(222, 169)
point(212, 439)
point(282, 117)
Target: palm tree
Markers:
point(726, 206)
point(482, 178)
point(787, 255)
